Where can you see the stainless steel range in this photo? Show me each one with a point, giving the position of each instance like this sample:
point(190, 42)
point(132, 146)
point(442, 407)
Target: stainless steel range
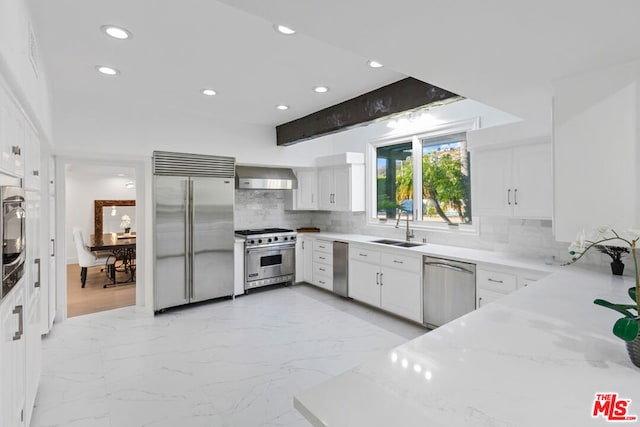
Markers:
point(270, 256)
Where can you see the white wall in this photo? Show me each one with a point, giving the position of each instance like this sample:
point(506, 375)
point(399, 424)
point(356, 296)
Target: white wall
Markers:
point(597, 150)
point(81, 191)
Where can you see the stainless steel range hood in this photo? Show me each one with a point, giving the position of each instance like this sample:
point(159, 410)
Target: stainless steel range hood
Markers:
point(261, 178)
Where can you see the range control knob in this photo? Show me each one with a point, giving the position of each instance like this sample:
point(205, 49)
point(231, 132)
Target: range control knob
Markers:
point(259, 240)
point(269, 239)
point(293, 237)
point(275, 239)
point(286, 238)
point(252, 241)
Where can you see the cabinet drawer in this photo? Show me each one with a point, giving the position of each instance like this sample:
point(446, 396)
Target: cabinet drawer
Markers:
point(402, 262)
point(322, 269)
point(496, 281)
point(364, 255)
point(323, 246)
point(322, 258)
point(323, 281)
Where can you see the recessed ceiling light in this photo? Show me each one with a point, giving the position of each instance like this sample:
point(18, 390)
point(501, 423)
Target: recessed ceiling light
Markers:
point(284, 30)
point(130, 184)
point(108, 71)
point(374, 64)
point(282, 107)
point(321, 89)
point(208, 92)
point(120, 174)
point(116, 32)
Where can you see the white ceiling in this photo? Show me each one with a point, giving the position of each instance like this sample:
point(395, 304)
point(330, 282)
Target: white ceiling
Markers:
point(181, 47)
point(506, 54)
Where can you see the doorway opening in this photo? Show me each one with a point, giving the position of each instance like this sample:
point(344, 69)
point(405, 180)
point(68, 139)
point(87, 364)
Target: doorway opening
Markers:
point(101, 268)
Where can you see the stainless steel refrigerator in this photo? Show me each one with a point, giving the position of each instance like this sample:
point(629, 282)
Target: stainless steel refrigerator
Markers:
point(194, 233)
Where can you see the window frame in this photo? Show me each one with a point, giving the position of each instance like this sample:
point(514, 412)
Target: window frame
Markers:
point(416, 138)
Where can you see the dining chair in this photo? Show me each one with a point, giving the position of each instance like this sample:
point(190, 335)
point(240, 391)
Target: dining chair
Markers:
point(87, 259)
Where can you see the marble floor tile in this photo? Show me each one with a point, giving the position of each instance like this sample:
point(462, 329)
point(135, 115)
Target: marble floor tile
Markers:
point(226, 363)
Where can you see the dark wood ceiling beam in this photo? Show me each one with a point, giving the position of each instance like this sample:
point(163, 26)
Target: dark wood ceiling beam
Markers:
point(403, 95)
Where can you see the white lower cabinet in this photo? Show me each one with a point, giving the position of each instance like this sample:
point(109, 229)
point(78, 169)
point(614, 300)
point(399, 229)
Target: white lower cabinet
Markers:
point(304, 258)
point(387, 280)
point(12, 358)
point(323, 264)
point(494, 282)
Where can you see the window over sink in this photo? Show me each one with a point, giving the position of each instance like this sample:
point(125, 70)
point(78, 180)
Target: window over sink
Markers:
point(425, 177)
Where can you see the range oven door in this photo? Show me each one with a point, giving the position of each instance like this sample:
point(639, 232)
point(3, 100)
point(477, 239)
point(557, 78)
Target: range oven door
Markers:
point(268, 265)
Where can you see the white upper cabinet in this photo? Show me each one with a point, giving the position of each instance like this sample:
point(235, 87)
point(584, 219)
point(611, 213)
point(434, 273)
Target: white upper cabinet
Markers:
point(513, 181)
point(12, 136)
point(337, 184)
point(341, 188)
point(32, 160)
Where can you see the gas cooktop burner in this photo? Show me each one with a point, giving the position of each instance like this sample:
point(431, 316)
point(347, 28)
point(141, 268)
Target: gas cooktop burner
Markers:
point(262, 231)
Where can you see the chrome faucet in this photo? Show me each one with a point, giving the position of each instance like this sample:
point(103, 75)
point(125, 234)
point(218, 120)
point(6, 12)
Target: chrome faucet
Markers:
point(409, 233)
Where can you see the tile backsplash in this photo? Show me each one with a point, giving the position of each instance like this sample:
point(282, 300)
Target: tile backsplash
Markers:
point(533, 238)
point(266, 208)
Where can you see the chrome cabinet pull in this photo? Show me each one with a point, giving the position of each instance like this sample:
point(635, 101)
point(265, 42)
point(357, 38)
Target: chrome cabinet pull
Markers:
point(494, 280)
point(363, 255)
point(515, 196)
point(18, 309)
point(321, 269)
point(398, 262)
point(321, 257)
point(36, 284)
point(53, 247)
point(509, 197)
point(381, 284)
point(377, 278)
point(36, 173)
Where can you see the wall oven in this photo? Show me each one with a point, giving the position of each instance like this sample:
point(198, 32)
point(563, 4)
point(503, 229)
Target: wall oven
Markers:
point(270, 256)
point(12, 230)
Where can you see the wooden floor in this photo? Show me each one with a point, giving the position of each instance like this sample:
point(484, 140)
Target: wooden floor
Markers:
point(93, 297)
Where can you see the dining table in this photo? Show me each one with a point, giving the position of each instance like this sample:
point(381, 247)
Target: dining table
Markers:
point(122, 247)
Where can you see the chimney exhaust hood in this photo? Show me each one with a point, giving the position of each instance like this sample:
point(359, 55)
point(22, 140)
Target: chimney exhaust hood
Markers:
point(261, 178)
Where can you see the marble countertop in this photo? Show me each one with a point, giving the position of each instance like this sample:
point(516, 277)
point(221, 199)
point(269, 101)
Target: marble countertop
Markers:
point(453, 252)
point(536, 357)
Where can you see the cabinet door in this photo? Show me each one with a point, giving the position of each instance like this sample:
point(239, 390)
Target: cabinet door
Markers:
point(325, 189)
point(8, 326)
point(486, 297)
point(308, 259)
point(342, 189)
point(532, 181)
point(400, 293)
point(32, 164)
point(299, 259)
point(307, 192)
point(364, 282)
point(491, 171)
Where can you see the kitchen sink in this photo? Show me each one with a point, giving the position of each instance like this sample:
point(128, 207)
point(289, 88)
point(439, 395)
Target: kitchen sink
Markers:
point(398, 243)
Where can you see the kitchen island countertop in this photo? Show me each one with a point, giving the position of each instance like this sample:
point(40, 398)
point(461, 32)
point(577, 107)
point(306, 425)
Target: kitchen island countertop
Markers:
point(535, 357)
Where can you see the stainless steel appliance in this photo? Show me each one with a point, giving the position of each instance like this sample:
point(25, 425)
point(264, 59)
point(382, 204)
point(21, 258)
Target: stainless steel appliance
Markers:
point(193, 220)
point(12, 221)
point(449, 290)
point(270, 256)
point(261, 178)
point(341, 268)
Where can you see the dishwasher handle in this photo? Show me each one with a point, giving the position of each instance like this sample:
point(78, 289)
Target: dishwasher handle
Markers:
point(450, 267)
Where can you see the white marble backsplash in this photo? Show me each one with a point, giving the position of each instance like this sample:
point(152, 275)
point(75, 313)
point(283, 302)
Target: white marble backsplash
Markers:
point(266, 208)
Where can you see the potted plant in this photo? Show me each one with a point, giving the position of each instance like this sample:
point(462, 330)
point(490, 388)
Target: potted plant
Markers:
point(627, 327)
point(126, 223)
point(616, 253)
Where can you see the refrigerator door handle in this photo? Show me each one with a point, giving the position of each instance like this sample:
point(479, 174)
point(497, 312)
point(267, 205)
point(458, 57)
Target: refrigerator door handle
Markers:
point(187, 254)
point(191, 236)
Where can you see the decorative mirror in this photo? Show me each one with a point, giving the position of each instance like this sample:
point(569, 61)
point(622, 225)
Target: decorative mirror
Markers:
point(114, 216)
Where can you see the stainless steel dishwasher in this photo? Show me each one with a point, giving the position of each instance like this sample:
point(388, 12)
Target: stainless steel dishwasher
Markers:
point(449, 290)
point(341, 268)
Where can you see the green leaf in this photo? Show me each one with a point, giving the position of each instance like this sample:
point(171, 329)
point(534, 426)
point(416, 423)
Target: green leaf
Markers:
point(620, 308)
point(632, 294)
point(626, 328)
